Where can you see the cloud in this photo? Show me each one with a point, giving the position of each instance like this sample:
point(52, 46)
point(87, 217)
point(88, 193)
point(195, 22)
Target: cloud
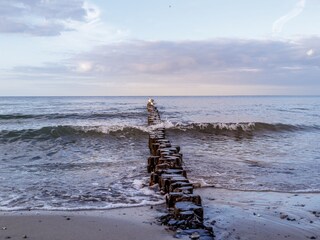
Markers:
point(310, 52)
point(83, 67)
point(227, 62)
point(44, 17)
point(296, 11)
point(221, 55)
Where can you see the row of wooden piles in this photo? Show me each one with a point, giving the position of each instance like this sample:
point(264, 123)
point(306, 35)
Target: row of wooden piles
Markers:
point(185, 211)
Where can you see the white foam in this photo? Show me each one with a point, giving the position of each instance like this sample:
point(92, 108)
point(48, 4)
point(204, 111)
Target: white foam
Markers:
point(222, 126)
point(201, 182)
point(138, 183)
point(83, 208)
point(163, 124)
point(114, 128)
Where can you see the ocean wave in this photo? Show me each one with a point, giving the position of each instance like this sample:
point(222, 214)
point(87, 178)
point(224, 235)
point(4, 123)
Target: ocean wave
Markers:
point(121, 194)
point(54, 132)
point(52, 116)
point(240, 127)
point(48, 132)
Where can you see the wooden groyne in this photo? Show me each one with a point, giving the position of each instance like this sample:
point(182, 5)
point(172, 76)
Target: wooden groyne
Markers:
point(185, 211)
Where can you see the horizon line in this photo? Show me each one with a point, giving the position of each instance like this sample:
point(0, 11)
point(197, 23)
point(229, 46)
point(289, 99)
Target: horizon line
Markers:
point(228, 95)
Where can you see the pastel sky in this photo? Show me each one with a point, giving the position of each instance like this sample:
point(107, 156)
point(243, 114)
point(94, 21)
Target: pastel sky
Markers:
point(159, 47)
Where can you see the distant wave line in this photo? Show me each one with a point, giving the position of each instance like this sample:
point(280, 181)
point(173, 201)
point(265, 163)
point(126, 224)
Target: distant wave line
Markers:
point(242, 127)
point(71, 116)
point(48, 132)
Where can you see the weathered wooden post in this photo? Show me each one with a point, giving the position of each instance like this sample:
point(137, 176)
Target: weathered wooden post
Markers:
point(165, 166)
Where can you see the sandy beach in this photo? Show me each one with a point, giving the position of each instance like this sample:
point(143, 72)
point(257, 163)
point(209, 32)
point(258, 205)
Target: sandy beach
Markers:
point(125, 223)
point(262, 215)
point(233, 215)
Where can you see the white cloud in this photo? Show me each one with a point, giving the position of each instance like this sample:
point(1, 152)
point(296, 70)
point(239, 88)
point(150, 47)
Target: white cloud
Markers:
point(45, 17)
point(220, 61)
point(292, 68)
point(163, 58)
point(84, 67)
point(310, 52)
point(93, 13)
point(296, 11)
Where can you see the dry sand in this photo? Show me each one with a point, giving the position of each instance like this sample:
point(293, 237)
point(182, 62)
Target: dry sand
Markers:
point(116, 224)
point(262, 215)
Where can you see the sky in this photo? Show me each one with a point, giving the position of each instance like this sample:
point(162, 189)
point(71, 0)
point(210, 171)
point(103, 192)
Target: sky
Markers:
point(159, 47)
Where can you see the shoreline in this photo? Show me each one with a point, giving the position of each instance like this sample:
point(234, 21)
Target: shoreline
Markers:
point(233, 214)
point(261, 215)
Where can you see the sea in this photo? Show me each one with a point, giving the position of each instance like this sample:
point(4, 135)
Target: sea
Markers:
point(82, 153)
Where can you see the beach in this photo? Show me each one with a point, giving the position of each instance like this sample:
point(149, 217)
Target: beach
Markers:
point(159, 120)
point(232, 214)
point(114, 224)
point(266, 215)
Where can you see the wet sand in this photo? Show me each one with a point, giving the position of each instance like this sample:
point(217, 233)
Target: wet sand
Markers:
point(262, 215)
point(233, 215)
point(126, 223)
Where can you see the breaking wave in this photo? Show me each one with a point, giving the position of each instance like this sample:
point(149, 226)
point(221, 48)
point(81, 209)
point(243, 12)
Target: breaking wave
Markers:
point(253, 127)
point(132, 131)
point(46, 133)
